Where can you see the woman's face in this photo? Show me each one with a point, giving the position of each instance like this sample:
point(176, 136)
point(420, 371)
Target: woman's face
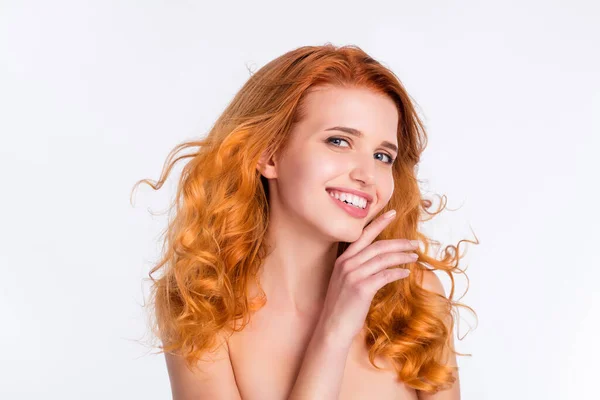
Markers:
point(318, 158)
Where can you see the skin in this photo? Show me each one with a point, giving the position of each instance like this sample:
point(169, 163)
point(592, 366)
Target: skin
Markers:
point(284, 352)
point(305, 224)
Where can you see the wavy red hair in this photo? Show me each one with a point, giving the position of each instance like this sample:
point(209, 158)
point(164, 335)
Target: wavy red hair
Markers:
point(214, 242)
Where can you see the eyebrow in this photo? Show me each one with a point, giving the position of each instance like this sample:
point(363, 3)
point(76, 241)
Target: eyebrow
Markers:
point(357, 133)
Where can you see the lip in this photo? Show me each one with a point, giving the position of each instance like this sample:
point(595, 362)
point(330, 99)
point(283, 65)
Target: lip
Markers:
point(355, 212)
point(353, 191)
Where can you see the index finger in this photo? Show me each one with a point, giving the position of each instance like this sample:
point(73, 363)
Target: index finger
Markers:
point(369, 233)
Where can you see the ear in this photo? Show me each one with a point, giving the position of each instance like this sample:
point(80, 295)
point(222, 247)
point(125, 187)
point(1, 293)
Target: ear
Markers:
point(267, 166)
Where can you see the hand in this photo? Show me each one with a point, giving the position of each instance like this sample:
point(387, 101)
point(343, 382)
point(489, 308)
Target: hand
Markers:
point(357, 275)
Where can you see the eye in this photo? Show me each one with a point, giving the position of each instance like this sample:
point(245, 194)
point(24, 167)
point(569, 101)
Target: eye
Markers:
point(331, 139)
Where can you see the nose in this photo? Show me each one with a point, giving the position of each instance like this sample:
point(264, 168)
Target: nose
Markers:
point(364, 170)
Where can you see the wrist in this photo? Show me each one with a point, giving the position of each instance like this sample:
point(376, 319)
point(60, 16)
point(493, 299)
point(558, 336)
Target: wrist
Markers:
point(331, 338)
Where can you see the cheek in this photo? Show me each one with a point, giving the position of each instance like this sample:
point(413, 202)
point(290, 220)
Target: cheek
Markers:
point(385, 190)
point(318, 167)
point(305, 173)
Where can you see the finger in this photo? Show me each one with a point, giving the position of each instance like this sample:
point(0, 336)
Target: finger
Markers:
point(381, 262)
point(369, 234)
point(375, 282)
point(382, 247)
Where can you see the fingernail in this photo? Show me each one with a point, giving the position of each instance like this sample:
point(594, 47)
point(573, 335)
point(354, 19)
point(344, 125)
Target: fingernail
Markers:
point(390, 214)
point(414, 242)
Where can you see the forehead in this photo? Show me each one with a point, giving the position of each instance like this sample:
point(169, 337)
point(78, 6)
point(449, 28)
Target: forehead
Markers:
point(359, 108)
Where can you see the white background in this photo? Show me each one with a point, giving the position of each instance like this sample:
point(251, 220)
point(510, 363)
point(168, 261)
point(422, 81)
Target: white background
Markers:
point(94, 94)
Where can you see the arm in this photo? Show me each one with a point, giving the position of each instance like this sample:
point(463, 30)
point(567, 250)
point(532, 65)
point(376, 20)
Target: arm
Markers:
point(322, 368)
point(323, 365)
point(216, 379)
point(432, 283)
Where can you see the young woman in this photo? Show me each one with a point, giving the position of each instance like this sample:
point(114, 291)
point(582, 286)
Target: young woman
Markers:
point(283, 275)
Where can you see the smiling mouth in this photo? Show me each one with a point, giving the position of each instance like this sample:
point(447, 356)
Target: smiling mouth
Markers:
point(367, 206)
point(368, 203)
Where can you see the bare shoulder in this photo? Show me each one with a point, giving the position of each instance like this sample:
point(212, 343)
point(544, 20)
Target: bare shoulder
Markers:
point(213, 376)
point(432, 283)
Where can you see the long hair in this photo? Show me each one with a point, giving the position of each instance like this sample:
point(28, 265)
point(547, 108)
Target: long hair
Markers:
point(215, 240)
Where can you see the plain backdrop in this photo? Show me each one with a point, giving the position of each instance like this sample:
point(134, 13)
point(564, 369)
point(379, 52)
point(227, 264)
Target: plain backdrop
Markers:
point(94, 94)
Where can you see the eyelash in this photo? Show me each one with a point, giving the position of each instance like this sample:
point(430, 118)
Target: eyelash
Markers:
point(392, 159)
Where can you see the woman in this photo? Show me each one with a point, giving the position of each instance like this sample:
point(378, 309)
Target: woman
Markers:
point(282, 278)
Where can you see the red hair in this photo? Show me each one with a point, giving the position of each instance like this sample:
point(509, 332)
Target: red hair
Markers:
point(214, 242)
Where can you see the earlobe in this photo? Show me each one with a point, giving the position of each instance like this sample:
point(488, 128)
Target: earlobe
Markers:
point(267, 166)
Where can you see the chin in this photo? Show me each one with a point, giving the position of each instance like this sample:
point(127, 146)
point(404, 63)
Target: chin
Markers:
point(340, 233)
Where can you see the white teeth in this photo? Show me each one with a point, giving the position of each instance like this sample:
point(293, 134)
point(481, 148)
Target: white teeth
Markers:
point(354, 200)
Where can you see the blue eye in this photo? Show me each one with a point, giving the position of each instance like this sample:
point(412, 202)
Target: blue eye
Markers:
point(331, 139)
